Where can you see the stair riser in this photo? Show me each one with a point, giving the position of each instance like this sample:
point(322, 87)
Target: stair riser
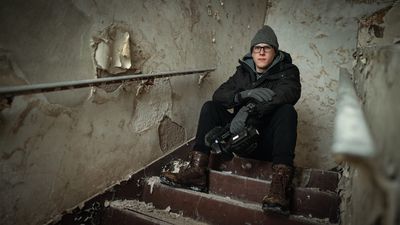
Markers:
point(305, 201)
point(212, 211)
point(312, 178)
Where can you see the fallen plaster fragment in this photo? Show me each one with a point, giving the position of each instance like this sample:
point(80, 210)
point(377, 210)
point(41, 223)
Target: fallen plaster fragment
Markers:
point(176, 215)
point(202, 77)
point(246, 166)
point(151, 181)
point(175, 166)
point(149, 209)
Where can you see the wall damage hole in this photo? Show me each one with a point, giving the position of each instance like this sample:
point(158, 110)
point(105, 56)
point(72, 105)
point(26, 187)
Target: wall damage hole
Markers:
point(112, 54)
point(170, 134)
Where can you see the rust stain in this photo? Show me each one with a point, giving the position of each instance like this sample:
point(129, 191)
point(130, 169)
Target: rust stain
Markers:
point(374, 22)
point(375, 18)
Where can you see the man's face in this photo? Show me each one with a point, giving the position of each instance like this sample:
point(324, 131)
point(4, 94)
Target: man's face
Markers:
point(263, 55)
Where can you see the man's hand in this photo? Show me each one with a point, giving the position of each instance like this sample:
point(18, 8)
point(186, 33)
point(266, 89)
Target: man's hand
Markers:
point(259, 94)
point(239, 121)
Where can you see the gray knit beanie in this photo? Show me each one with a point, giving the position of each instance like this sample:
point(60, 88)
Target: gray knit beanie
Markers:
point(265, 35)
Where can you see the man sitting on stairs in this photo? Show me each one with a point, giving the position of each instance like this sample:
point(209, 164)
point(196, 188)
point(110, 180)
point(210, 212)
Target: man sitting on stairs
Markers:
point(267, 77)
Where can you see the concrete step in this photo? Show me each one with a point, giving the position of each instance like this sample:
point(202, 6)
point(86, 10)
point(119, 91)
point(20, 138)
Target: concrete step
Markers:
point(309, 202)
point(304, 177)
point(126, 212)
point(214, 209)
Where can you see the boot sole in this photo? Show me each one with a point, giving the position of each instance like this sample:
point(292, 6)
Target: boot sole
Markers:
point(190, 187)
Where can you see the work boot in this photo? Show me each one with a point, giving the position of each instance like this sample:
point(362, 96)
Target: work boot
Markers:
point(193, 176)
point(277, 200)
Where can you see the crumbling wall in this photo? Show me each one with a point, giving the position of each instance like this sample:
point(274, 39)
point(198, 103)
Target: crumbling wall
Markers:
point(321, 37)
point(377, 82)
point(58, 149)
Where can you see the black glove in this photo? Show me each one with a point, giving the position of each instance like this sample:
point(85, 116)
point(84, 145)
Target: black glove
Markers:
point(239, 121)
point(259, 94)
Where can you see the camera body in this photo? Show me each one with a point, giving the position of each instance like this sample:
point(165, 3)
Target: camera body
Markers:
point(222, 141)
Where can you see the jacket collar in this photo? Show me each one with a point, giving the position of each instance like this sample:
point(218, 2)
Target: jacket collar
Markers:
point(248, 63)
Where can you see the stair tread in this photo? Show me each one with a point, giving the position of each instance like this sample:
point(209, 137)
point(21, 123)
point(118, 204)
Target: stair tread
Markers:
point(305, 177)
point(267, 182)
point(134, 211)
point(215, 209)
point(305, 201)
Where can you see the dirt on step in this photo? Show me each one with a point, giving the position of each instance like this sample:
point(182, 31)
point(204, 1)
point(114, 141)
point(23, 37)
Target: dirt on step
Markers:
point(148, 209)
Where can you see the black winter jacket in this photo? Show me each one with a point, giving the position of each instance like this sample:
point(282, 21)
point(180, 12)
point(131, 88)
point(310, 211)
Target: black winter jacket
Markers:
point(282, 77)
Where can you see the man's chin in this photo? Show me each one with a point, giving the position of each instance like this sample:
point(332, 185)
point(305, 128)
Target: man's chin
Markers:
point(263, 67)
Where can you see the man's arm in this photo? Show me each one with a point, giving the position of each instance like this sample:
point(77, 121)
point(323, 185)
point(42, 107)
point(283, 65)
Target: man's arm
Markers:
point(288, 91)
point(225, 93)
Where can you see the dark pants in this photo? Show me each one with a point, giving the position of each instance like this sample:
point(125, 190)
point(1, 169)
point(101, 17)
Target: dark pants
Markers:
point(278, 132)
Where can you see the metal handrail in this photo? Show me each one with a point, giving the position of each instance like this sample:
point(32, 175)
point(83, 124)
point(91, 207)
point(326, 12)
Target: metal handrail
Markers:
point(8, 92)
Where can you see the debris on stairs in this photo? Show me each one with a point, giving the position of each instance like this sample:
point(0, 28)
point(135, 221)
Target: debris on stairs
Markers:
point(216, 209)
point(135, 212)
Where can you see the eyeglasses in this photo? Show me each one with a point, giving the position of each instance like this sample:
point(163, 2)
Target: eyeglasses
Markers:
point(266, 49)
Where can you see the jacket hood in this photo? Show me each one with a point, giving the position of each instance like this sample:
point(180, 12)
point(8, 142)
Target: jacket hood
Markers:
point(248, 62)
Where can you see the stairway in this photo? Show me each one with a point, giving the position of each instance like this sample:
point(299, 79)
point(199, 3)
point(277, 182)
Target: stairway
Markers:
point(236, 188)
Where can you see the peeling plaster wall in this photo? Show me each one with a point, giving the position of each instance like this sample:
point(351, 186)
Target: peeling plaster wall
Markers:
point(58, 149)
point(377, 82)
point(321, 37)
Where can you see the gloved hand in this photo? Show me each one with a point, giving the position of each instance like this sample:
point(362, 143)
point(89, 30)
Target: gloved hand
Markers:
point(259, 94)
point(239, 121)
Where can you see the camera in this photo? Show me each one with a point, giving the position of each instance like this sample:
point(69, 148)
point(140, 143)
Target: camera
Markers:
point(222, 141)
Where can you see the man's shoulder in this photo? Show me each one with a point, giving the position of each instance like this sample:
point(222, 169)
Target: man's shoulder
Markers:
point(288, 67)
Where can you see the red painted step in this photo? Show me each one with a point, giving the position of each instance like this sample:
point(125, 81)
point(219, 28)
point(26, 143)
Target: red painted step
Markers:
point(312, 178)
point(214, 209)
point(309, 202)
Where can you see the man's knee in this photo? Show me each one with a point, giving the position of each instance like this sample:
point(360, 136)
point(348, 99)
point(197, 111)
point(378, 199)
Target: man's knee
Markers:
point(286, 111)
point(210, 106)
